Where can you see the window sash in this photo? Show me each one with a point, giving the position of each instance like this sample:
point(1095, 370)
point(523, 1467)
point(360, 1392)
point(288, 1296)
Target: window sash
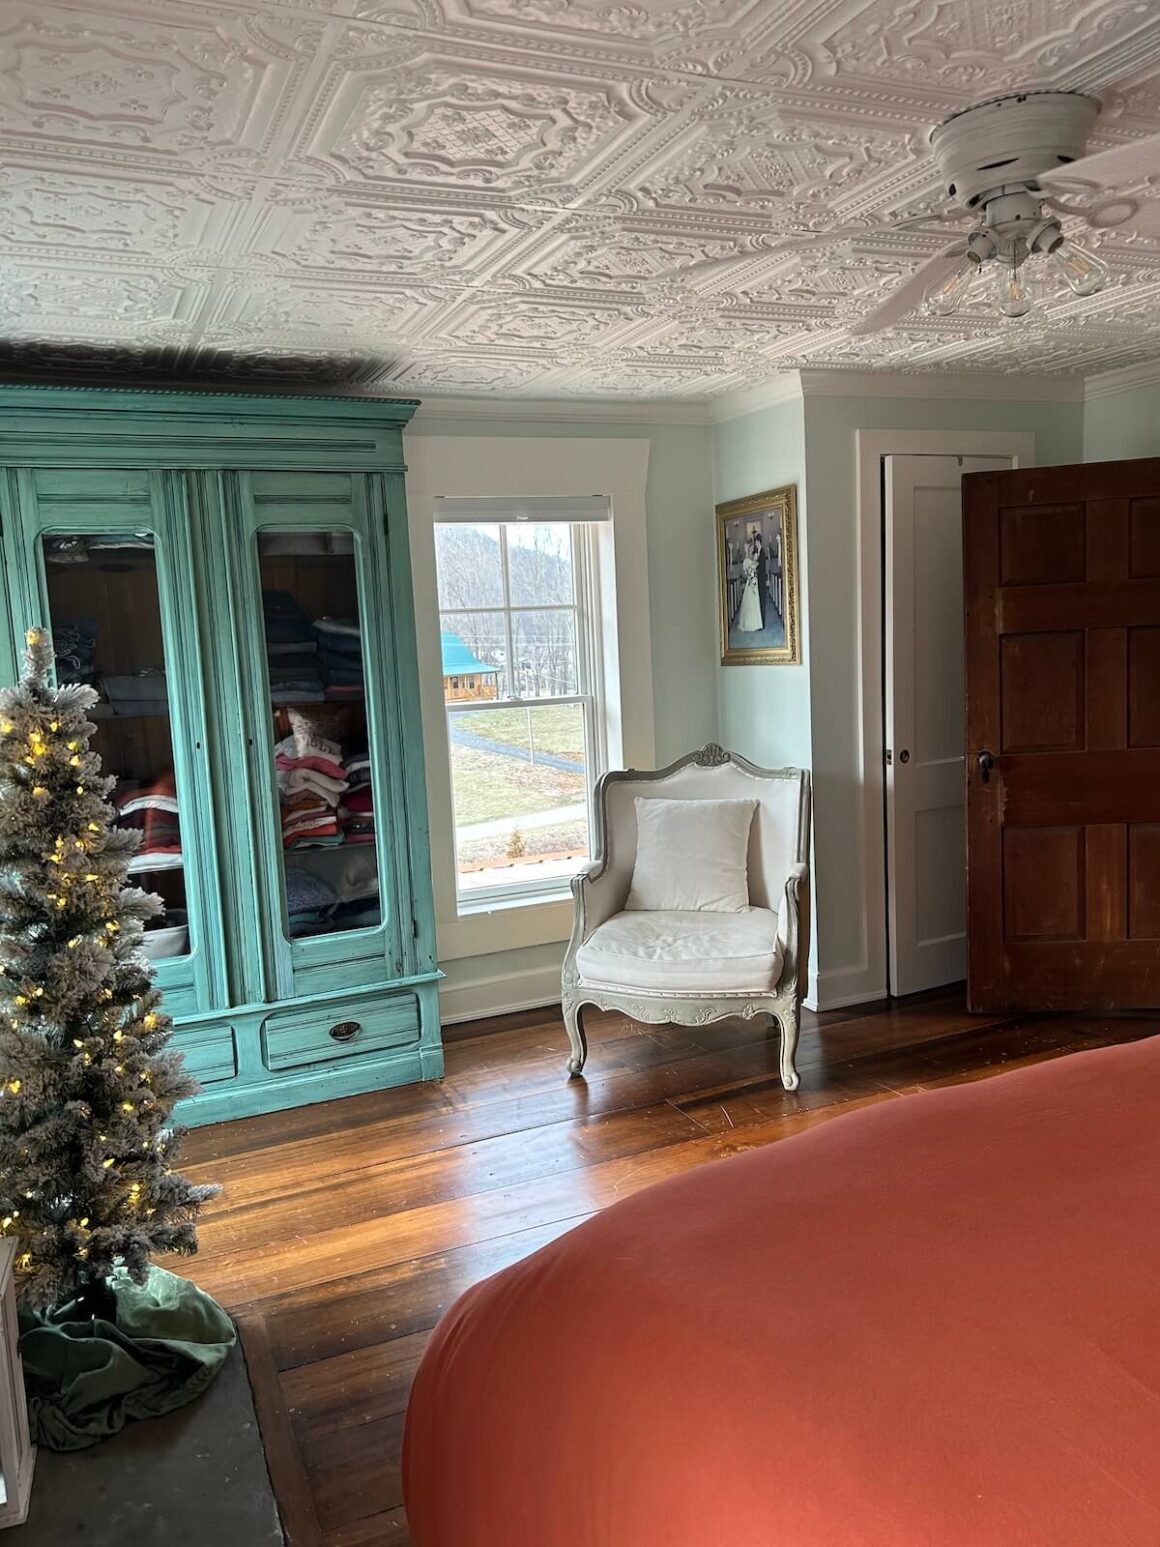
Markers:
point(585, 607)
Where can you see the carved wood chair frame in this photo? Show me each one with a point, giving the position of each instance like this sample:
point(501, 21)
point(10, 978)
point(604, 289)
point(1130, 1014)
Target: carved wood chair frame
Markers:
point(782, 1005)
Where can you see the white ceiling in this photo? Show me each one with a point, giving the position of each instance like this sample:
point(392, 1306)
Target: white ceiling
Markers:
point(527, 197)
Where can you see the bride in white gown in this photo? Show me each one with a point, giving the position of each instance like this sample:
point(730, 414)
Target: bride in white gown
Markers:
point(749, 613)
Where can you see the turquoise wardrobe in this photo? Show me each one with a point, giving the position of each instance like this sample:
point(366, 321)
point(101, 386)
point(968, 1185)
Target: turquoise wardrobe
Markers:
point(231, 573)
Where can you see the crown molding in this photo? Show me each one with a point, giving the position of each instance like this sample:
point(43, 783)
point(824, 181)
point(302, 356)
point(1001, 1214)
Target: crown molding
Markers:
point(576, 410)
point(783, 388)
point(963, 385)
point(787, 387)
point(1124, 380)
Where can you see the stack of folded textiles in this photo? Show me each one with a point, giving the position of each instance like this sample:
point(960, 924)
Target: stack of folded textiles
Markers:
point(309, 901)
point(356, 814)
point(291, 651)
point(140, 692)
point(340, 647)
point(311, 781)
point(75, 641)
point(151, 810)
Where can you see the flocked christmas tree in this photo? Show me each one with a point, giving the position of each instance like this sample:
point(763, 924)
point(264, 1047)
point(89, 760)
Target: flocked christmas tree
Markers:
point(86, 1084)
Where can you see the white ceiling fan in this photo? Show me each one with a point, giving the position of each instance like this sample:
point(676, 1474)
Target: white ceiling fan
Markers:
point(1003, 163)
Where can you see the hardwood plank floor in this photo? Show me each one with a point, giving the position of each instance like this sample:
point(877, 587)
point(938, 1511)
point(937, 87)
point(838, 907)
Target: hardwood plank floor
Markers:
point(344, 1230)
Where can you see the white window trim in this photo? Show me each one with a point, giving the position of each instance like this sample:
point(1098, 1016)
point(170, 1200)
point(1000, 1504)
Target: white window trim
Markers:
point(510, 467)
point(585, 610)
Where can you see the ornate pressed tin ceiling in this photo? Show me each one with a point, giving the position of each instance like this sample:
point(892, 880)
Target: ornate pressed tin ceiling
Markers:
point(541, 197)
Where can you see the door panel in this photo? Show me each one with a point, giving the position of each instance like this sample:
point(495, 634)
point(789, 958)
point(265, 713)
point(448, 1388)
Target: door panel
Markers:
point(319, 685)
point(926, 845)
point(104, 556)
point(1062, 589)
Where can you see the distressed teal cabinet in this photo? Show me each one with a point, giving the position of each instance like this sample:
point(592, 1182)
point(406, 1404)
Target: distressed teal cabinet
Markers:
point(232, 575)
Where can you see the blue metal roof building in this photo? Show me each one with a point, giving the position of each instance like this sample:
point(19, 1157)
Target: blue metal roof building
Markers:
point(460, 661)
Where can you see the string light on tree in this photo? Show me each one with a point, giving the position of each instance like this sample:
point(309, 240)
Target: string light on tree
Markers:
point(85, 1176)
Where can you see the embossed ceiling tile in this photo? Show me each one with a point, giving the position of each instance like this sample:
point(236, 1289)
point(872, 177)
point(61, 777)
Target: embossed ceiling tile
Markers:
point(345, 234)
point(89, 302)
point(458, 372)
point(745, 155)
point(541, 325)
point(82, 213)
point(140, 82)
point(655, 22)
point(613, 255)
point(300, 315)
point(464, 123)
point(974, 49)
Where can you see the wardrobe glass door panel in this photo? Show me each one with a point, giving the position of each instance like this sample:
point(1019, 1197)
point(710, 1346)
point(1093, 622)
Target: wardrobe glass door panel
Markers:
point(315, 664)
point(116, 596)
point(104, 611)
point(321, 678)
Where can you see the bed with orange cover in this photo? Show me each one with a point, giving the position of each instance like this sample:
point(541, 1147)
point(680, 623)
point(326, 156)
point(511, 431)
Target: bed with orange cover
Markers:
point(931, 1323)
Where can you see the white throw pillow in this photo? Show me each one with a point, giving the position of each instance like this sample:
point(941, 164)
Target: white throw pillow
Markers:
point(691, 856)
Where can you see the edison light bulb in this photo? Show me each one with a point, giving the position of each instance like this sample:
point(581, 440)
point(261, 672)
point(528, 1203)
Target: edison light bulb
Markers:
point(1084, 272)
point(950, 292)
point(1011, 293)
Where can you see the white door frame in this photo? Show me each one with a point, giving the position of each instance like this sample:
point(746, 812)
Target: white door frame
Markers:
point(870, 448)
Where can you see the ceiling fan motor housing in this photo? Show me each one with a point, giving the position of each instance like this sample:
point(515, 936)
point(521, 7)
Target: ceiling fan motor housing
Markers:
point(1011, 141)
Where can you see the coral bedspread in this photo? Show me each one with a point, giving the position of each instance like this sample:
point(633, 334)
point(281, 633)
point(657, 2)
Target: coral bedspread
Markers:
point(934, 1321)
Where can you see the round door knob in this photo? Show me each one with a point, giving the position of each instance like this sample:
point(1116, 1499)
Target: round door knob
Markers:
point(904, 757)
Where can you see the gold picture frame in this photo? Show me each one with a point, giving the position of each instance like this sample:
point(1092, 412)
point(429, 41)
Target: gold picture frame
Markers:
point(757, 579)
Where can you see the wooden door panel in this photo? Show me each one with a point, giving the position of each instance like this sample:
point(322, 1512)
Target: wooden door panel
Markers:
point(1144, 686)
point(1041, 683)
point(1144, 525)
point(1144, 881)
point(1042, 544)
point(1062, 587)
point(1043, 883)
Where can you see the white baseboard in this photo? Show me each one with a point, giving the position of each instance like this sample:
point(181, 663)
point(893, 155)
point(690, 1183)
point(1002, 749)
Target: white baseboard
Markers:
point(533, 989)
point(842, 987)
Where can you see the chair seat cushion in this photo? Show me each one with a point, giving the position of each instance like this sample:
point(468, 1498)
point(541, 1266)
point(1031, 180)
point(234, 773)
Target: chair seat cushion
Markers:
point(684, 953)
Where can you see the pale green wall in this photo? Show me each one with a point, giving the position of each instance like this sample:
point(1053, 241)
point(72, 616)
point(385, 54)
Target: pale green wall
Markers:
point(764, 711)
point(682, 606)
point(1123, 424)
point(679, 516)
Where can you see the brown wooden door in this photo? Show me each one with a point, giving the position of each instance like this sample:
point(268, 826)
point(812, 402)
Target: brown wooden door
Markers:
point(1062, 589)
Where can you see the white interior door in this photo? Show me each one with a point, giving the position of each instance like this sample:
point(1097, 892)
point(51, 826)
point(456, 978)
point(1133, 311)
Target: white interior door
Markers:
point(925, 707)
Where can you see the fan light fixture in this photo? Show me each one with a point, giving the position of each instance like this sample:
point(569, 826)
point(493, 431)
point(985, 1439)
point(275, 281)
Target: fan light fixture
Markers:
point(1084, 273)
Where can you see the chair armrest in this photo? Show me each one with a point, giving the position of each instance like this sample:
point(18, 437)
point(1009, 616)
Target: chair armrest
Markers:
point(596, 894)
point(794, 928)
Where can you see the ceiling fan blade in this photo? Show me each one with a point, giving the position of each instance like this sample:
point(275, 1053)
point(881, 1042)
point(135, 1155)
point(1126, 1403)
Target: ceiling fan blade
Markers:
point(909, 293)
point(1130, 163)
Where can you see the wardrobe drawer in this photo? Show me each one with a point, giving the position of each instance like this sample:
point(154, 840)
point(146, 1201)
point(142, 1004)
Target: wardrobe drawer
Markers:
point(211, 1052)
point(319, 1034)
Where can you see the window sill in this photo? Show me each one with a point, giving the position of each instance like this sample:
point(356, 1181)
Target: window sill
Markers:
point(470, 908)
point(505, 924)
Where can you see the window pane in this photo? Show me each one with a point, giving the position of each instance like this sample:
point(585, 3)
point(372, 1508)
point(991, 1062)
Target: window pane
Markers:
point(474, 646)
point(469, 566)
point(545, 653)
point(520, 782)
point(314, 655)
point(105, 616)
point(539, 564)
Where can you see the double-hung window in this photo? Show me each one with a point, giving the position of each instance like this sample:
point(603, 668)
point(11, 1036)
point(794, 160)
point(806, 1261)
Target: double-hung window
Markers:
point(522, 662)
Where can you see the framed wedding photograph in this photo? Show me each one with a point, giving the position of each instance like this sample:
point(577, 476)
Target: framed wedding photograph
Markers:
point(758, 579)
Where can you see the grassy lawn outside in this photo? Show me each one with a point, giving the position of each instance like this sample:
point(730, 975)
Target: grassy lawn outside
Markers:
point(559, 731)
point(491, 785)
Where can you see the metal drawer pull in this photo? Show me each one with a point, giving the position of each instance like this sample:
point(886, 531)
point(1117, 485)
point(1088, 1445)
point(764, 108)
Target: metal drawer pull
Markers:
point(345, 1031)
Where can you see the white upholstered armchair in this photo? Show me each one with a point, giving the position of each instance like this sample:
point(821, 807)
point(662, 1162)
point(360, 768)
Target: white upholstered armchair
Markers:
point(694, 967)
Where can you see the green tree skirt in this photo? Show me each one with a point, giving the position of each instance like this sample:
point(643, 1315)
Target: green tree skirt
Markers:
point(86, 1375)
